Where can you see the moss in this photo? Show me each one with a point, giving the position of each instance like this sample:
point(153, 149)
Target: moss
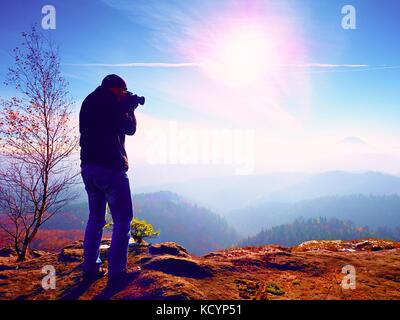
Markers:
point(247, 288)
point(273, 288)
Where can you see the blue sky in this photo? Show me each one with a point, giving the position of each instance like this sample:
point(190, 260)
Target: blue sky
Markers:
point(302, 110)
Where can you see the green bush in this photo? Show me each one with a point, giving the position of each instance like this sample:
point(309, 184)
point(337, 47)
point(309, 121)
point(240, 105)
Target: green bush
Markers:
point(140, 229)
point(109, 221)
point(273, 288)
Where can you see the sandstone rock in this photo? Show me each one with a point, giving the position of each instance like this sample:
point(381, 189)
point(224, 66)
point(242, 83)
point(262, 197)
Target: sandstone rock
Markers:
point(72, 252)
point(104, 248)
point(374, 245)
point(180, 290)
point(144, 259)
point(170, 248)
point(70, 255)
point(75, 245)
point(136, 248)
point(347, 246)
point(38, 253)
point(156, 286)
point(179, 266)
point(264, 272)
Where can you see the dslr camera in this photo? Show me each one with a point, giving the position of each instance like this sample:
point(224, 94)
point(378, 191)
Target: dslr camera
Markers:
point(133, 100)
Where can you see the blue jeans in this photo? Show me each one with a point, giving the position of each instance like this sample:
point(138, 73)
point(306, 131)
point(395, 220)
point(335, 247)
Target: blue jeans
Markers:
point(107, 185)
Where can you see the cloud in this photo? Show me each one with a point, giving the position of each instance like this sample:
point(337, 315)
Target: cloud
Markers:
point(201, 64)
point(139, 65)
point(306, 68)
point(359, 68)
point(324, 65)
point(354, 141)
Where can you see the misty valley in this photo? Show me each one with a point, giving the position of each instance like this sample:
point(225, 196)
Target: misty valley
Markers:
point(359, 210)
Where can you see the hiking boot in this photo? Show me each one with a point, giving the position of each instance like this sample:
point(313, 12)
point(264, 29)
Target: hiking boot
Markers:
point(92, 276)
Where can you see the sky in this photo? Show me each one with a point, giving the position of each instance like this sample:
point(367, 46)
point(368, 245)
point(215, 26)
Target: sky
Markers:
point(234, 86)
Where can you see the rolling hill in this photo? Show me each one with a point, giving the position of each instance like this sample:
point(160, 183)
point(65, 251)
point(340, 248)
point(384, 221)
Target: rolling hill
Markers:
point(225, 194)
point(198, 229)
point(363, 210)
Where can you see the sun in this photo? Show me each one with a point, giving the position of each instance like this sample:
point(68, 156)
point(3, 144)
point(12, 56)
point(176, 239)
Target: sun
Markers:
point(241, 57)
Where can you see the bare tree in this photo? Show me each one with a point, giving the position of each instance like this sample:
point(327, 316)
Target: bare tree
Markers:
point(37, 141)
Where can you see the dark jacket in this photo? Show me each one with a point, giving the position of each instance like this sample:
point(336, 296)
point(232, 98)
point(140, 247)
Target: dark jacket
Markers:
point(103, 123)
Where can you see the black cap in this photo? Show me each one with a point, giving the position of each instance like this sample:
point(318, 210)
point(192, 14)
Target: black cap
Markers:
point(113, 81)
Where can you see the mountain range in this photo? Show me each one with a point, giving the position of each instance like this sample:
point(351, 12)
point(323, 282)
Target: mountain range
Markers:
point(199, 229)
point(226, 194)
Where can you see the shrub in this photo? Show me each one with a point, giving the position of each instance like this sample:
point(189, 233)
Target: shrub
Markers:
point(140, 229)
point(274, 289)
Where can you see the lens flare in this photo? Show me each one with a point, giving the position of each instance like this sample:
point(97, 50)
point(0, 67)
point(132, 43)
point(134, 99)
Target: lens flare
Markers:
point(241, 56)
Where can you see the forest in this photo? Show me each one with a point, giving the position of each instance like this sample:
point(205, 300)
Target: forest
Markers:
point(321, 228)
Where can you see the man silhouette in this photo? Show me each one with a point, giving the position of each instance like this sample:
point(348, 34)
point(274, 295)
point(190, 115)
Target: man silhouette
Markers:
point(104, 120)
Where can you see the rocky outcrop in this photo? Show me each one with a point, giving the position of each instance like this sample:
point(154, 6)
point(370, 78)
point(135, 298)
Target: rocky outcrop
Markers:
point(181, 267)
point(156, 286)
point(347, 246)
point(72, 252)
point(312, 270)
point(170, 248)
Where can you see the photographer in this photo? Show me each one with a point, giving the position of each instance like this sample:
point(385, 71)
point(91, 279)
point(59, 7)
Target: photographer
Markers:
point(106, 116)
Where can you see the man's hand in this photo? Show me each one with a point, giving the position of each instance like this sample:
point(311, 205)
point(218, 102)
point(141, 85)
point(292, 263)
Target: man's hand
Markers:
point(129, 122)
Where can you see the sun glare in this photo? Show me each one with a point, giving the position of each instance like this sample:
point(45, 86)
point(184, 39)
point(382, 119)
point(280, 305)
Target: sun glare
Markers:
point(241, 56)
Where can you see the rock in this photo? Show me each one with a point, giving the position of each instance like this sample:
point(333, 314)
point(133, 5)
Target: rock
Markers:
point(156, 286)
point(363, 245)
point(170, 248)
point(144, 259)
point(183, 267)
point(373, 245)
point(136, 248)
point(284, 261)
point(7, 252)
point(75, 245)
point(318, 245)
point(104, 248)
point(178, 290)
point(347, 246)
point(70, 255)
point(72, 252)
point(38, 253)
point(213, 254)
point(264, 272)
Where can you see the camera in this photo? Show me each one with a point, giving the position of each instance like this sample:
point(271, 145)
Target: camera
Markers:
point(134, 100)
